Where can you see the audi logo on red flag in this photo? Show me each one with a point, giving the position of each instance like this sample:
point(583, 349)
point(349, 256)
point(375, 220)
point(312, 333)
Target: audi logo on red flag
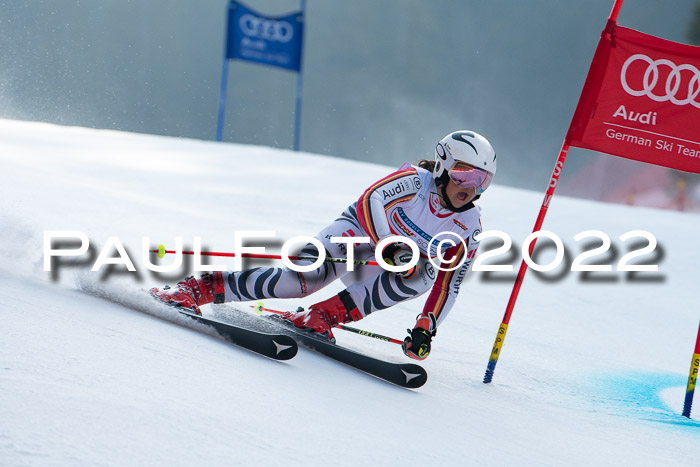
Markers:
point(662, 80)
point(641, 101)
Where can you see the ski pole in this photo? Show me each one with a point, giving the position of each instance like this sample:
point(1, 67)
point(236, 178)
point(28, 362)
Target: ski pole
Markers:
point(259, 308)
point(162, 252)
point(371, 334)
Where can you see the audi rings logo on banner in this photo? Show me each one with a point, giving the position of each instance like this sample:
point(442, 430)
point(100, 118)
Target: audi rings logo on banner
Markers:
point(672, 85)
point(267, 29)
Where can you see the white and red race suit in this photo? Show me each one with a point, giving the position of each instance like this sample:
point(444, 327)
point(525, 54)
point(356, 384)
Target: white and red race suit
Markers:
point(405, 203)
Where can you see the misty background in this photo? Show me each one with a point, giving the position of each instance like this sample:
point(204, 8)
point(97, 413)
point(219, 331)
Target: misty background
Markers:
point(383, 80)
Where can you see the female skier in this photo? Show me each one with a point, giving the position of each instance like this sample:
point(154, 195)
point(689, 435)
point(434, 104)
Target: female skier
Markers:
point(416, 202)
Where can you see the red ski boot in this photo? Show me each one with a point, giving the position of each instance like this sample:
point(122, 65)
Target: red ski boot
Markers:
point(191, 293)
point(325, 315)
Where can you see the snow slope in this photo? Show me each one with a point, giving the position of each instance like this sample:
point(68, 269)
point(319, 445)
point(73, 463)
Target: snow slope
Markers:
point(593, 370)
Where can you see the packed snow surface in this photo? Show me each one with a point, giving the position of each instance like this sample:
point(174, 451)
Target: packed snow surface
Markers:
point(593, 369)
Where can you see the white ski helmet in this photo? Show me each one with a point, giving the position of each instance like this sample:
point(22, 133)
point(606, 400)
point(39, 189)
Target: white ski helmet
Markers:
point(466, 146)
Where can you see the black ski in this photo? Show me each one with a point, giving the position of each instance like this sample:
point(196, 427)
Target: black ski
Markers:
point(277, 346)
point(407, 375)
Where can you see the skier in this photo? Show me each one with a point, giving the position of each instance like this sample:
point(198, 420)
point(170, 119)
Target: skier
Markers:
point(416, 202)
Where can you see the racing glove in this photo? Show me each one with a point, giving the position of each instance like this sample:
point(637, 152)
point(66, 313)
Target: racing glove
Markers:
point(417, 344)
point(396, 255)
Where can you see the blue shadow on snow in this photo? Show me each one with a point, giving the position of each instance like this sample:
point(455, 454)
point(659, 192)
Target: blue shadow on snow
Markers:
point(638, 394)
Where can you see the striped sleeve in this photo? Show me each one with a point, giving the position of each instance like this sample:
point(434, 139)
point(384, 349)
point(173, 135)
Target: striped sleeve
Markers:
point(398, 187)
point(446, 287)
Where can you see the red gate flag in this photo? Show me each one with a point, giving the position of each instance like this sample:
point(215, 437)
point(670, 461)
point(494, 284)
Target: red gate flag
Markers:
point(641, 100)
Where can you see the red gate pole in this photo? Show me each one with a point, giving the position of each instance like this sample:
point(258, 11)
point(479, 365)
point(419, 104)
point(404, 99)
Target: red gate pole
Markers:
point(558, 167)
point(692, 378)
point(495, 352)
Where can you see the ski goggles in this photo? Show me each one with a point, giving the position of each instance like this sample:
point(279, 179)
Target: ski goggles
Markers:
point(471, 177)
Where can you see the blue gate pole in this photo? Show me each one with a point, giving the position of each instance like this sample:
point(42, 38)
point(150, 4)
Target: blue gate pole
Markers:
point(297, 109)
point(222, 100)
point(297, 113)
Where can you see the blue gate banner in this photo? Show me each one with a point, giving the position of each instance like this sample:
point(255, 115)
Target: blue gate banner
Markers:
point(274, 41)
